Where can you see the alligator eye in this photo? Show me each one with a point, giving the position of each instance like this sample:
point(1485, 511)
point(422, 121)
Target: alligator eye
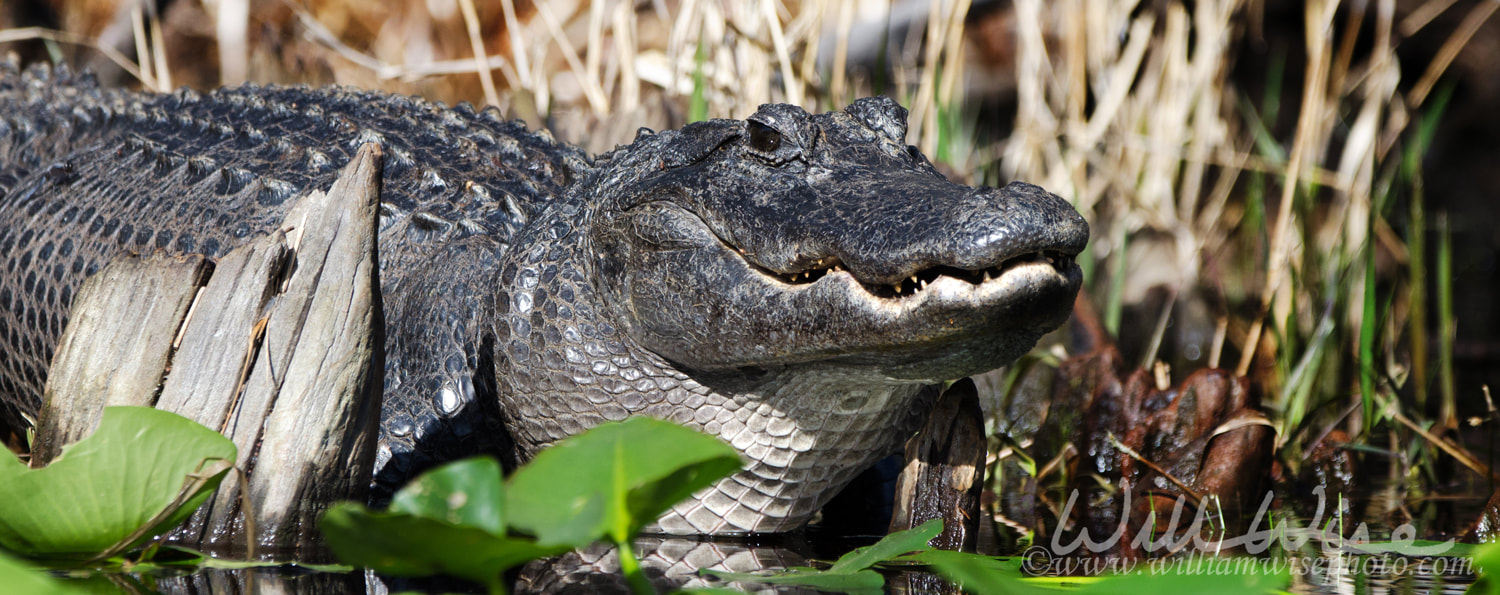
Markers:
point(764, 138)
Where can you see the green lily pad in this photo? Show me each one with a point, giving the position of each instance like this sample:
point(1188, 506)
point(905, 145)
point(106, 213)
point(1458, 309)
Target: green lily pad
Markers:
point(851, 572)
point(612, 480)
point(1487, 566)
point(446, 521)
point(890, 546)
point(983, 574)
point(400, 544)
point(468, 493)
point(967, 569)
point(20, 578)
point(140, 474)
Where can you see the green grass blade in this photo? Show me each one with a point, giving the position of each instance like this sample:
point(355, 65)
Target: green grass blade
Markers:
point(698, 102)
point(1447, 326)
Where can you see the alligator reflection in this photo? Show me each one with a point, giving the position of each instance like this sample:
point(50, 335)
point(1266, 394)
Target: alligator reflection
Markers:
point(673, 563)
point(262, 581)
point(670, 563)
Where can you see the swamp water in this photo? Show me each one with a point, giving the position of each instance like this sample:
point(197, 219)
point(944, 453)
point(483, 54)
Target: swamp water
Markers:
point(672, 563)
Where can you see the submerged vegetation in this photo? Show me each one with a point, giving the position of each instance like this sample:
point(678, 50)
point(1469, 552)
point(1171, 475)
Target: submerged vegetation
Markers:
point(1263, 212)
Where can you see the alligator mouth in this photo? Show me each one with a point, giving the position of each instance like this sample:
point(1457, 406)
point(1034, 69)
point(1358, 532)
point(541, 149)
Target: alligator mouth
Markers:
point(918, 282)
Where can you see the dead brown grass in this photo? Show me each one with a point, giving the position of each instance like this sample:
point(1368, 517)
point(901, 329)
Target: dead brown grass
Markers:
point(1126, 109)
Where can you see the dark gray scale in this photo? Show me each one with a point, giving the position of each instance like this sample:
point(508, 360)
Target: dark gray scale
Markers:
point(202, 173)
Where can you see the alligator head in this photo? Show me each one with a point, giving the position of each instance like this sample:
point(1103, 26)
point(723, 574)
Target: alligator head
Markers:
point(794, 284)
point(789, 239)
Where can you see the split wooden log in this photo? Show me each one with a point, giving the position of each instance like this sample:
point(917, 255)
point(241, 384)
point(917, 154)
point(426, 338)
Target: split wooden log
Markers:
point(282, 352)
point(118, 341)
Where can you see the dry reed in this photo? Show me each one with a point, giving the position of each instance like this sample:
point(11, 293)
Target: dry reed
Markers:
point(1129, 111)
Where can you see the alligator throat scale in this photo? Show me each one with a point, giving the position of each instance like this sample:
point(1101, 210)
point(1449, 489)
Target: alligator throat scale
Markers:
point(798, 285)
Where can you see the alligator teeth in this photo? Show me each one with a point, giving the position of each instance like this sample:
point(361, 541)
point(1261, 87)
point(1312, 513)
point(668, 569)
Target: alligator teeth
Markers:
point(986, 276)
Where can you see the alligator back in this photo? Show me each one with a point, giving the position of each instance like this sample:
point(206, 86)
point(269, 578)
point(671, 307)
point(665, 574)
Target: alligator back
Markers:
point(86, 173)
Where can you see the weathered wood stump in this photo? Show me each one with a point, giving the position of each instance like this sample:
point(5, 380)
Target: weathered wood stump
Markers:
point(118, 341)
point(279, 346)
point(944, 473)
point(1486, 527)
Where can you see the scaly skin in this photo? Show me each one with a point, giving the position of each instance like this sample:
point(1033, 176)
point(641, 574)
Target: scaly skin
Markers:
point(750, 279)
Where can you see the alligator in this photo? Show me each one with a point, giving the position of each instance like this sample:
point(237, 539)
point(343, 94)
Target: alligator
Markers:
point(798, 285)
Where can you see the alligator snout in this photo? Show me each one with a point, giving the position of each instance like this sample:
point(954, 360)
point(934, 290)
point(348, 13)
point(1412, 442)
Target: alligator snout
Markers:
point(976, 238)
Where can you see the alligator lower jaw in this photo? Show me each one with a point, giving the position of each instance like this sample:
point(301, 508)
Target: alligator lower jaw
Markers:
point(1031, 280)
point(917, 283)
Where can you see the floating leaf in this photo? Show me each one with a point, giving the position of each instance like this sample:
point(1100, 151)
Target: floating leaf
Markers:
point(20, 578)
point(983, 574)
point(851, 573)
point(446, 521)
point(890, 546)
point(140, 474)
point(468, 493)
point(400, 544)
point(979, 574)
point(1487, 566)
point(612, 480)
